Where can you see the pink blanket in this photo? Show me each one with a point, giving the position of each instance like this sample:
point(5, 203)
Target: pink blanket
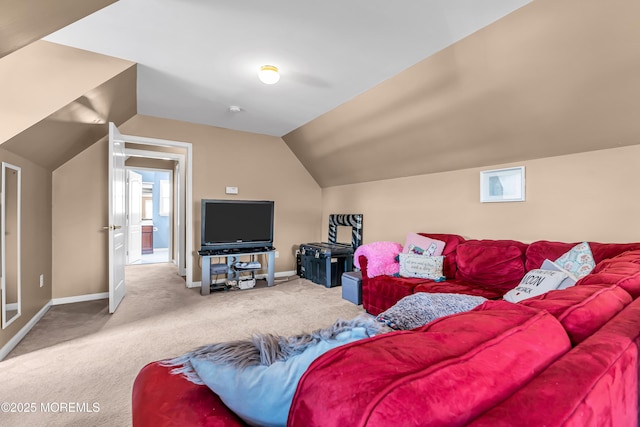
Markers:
point(381, 258)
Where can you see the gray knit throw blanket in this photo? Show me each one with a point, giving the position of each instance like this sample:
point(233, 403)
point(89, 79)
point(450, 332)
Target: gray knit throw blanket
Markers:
point(265, 349)
point(421, 308)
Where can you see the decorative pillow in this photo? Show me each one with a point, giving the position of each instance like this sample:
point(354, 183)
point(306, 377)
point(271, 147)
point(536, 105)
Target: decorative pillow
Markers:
point(261, 395)
point(425, 267)
point(536, 282)
point(552, 266)
point(381, 258)
point(421, 308)
point(421, 245)
point(578, 261)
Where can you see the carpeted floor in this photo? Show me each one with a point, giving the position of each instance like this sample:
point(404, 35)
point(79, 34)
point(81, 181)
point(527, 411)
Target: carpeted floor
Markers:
point(80, 357)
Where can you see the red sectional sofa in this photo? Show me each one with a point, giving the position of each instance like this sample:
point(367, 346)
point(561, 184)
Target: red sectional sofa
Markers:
point(487, 268)
point(565, 358)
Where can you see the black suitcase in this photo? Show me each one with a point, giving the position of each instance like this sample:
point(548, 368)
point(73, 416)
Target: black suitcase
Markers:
point(323, 263)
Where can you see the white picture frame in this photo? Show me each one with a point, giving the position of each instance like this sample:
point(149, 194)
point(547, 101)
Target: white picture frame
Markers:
point(502, 185)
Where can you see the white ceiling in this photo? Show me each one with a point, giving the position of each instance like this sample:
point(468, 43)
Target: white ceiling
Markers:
point(199, 57)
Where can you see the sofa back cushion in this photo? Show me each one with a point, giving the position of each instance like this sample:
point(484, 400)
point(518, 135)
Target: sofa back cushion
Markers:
point(495, 263)
point(451, 242)
point(582, 310)
point(622, 269)
point(630, 259)
point(446, 373)
point(538, 251)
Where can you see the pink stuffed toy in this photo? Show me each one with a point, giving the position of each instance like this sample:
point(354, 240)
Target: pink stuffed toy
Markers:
point(381, 258)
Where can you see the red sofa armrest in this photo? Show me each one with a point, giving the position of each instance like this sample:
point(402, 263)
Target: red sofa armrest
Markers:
point(161, 399)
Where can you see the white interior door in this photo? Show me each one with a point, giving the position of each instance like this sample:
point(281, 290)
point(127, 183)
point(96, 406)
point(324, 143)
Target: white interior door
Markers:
point(116, 227)
point(134, 227)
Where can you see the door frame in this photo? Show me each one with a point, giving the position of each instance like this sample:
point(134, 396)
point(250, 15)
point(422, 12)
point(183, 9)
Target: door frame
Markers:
point(174, 198)
point(127, 212)
point(185, 181)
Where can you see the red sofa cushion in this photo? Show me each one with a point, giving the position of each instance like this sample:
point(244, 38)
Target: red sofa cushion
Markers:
point(610, 275)
point(451, 242)
point(628, 258)
point(161, 399)
point(538, 251)
point(631, 284)
point(494, 263)
point(381, 292)
point(446, 373)
point(582, 310)
point(454, 286)
point(594, 384)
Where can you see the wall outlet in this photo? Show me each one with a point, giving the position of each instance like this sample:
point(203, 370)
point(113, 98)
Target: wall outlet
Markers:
point(231, 190)
point(277, 254)
point(41, 280)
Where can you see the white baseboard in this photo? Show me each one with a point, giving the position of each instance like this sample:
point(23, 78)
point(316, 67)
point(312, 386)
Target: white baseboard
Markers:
point(284, 273)
point(258, 276)
point(12, 307)
point(80, 298)
point(13, 342)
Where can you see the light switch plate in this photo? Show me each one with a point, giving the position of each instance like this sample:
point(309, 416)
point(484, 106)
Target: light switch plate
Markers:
point(232, 190)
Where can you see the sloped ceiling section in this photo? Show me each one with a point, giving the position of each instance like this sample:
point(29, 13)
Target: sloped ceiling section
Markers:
point(70, 130)
point(43, 77)
point(552, 78)
point(25, 21)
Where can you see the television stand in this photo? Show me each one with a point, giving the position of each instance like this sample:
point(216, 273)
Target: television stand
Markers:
point(231, 258)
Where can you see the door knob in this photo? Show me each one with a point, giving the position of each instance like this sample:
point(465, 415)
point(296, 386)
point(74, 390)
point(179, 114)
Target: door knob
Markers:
point(112, 227)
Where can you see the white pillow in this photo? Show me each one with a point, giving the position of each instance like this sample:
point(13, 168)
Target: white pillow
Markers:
point(566, 283)
point(536, 282)
point(426, 267)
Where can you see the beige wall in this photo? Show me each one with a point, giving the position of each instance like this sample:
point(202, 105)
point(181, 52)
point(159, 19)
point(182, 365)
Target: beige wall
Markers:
point(261, 166)
point(588, 196)
point(80, 204)
point(35, 241)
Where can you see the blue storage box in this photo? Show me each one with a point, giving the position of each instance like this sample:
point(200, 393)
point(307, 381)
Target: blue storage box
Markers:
point(352, 286)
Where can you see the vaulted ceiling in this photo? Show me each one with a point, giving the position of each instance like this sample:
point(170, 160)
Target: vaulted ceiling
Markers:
point(369, 90)
point(199, 57)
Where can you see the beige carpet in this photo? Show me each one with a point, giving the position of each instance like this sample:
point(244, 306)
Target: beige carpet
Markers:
point(80, 354)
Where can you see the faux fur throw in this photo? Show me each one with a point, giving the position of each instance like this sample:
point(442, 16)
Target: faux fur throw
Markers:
point(265, 349)
point(421, 308)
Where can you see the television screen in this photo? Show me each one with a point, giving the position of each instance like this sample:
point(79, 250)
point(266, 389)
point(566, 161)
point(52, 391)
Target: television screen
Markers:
point(228, 224)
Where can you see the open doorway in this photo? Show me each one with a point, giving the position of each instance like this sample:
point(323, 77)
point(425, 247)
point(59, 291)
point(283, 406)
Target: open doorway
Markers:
point(150, 215)
point(123, 149)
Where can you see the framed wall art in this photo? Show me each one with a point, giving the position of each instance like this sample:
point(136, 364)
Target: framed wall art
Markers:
point(502, 185)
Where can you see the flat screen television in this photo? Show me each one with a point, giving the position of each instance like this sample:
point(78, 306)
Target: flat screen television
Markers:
point(236, 224)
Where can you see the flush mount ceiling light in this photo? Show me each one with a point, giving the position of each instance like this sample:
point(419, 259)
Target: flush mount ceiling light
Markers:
point(268, 74)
